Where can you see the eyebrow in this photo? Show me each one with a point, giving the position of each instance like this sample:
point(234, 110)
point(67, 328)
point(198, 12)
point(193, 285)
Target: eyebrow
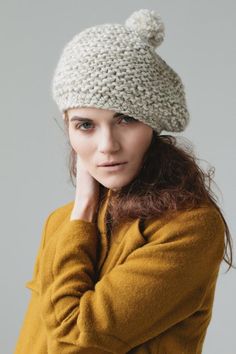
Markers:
point(77, 118)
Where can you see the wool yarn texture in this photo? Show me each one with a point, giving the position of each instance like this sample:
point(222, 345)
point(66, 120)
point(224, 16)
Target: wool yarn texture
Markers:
point(116, 67)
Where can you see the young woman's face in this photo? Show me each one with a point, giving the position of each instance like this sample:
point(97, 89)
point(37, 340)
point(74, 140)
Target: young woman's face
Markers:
point(101, 138)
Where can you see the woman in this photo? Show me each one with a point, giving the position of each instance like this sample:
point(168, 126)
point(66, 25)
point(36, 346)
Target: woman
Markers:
point(131, 264)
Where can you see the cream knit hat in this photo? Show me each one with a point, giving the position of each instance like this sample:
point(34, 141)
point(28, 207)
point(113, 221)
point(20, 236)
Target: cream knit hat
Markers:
point(116, 67)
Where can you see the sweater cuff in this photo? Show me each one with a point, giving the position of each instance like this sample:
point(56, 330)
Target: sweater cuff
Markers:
point(81, 224)
point(80, 227)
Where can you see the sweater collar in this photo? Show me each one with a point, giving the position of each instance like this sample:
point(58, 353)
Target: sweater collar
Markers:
point(102, 212)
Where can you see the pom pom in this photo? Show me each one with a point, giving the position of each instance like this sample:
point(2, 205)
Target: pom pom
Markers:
point(149, 26)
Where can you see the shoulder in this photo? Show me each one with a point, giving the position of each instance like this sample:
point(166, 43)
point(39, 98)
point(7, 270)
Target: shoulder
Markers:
point(57, 216)
point(205, 215)
point(202, 224)
point(54, 219)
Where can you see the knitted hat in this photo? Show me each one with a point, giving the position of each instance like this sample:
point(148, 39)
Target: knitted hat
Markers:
point(116, 67)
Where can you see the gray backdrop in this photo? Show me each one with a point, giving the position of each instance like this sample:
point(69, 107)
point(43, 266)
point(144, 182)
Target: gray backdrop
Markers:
point(199, 45)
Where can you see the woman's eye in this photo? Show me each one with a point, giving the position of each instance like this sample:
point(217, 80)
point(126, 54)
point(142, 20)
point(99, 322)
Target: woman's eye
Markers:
point(78, 126)
point(84, 125)
point(129, 118)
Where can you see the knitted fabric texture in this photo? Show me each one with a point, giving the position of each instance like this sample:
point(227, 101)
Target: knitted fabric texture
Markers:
point(145, 291)
point(116, 67)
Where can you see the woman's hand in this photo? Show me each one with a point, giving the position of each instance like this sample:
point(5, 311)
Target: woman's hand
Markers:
point(87, 194)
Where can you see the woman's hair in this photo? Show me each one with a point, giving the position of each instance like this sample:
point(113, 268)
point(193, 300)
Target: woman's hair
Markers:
point(170, 180)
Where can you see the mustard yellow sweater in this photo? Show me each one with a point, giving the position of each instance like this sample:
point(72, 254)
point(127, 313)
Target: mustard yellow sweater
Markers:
point(150, 289)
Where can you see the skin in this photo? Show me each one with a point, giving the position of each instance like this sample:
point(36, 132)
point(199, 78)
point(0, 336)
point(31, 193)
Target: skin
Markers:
point(103, 139)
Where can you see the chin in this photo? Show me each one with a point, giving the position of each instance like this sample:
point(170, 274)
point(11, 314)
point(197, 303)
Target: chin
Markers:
point(114, 186)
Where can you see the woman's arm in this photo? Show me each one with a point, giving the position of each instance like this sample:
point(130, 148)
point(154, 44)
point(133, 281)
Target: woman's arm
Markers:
point(158, 285)
point(67, 271)
point(86, 210)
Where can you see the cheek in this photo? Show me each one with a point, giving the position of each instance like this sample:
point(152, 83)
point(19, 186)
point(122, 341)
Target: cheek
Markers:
point(76, 142)
point(81, 146)
point(141, 142)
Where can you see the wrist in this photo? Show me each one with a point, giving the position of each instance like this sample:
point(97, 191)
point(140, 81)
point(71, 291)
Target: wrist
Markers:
point(85, 210)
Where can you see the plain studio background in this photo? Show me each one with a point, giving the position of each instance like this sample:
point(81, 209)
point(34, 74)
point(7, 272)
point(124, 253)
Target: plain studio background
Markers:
point(199, 44)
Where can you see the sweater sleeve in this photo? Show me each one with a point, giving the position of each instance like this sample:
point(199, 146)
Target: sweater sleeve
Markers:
point(67, 271)
point(158, 285)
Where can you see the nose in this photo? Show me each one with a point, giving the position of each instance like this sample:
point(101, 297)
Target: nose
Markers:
point(108, 142)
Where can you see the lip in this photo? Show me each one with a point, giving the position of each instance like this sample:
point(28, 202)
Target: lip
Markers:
point(115, 167)
point(111, 164)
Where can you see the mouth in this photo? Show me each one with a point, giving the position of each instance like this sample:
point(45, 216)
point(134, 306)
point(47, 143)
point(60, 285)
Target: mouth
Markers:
point(114, 167)
point(112, 164)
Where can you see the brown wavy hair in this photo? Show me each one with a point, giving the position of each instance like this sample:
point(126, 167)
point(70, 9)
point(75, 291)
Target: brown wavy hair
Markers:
point(170, 180)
